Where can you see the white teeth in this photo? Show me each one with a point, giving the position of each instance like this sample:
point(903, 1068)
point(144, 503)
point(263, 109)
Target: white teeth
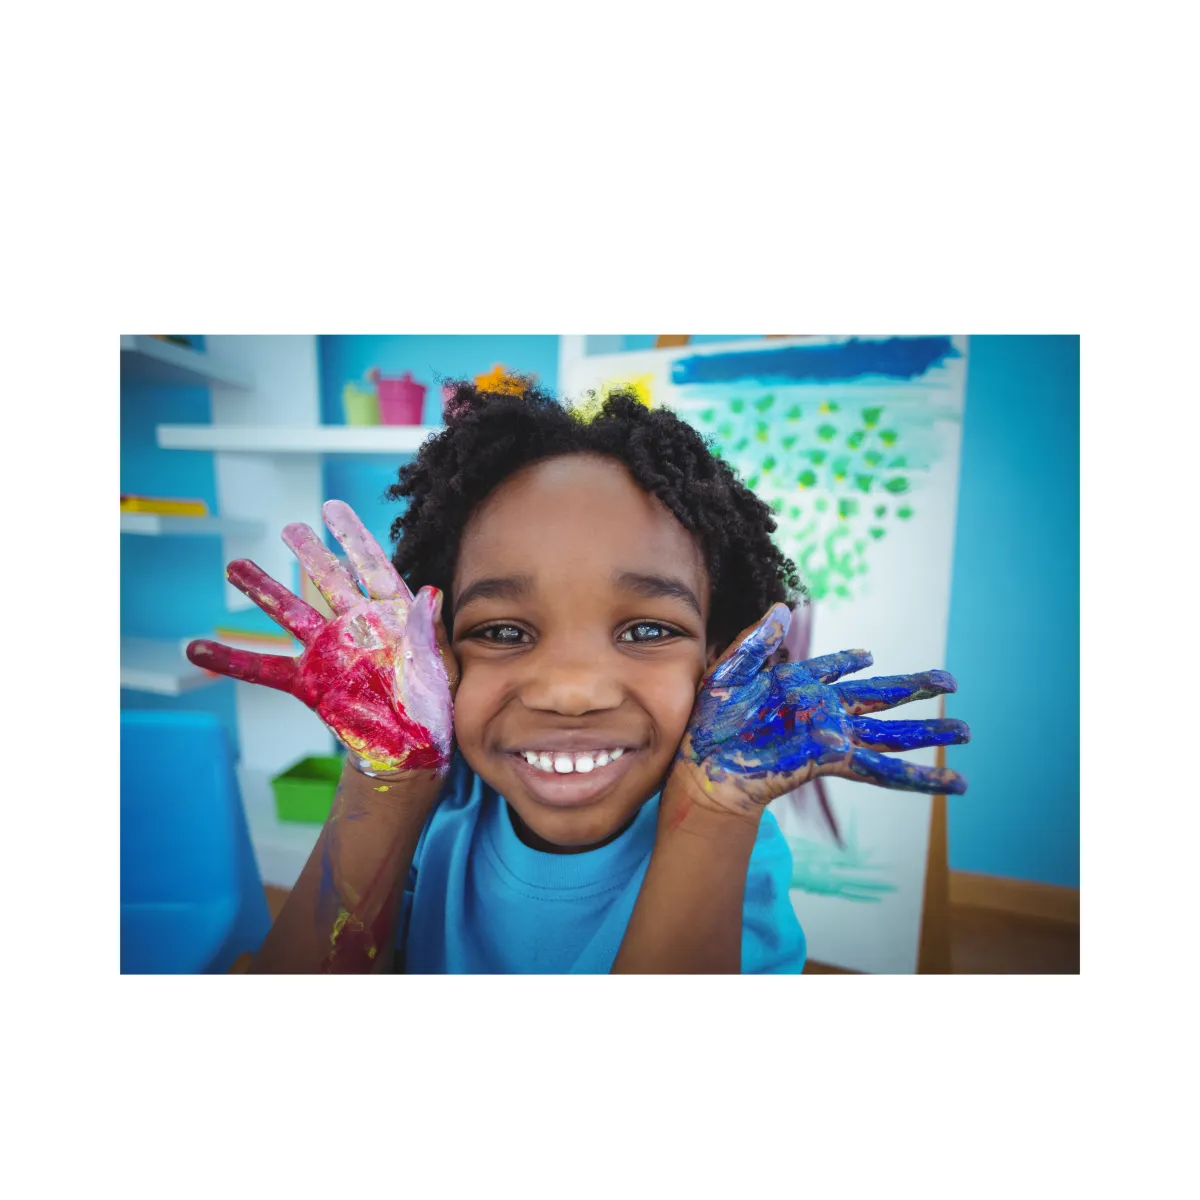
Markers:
point(566, 764)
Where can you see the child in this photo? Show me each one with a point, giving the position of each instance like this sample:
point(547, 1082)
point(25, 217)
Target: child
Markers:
point(597, 630)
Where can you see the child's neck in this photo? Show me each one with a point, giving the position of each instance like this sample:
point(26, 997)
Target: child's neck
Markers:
point(534, 842)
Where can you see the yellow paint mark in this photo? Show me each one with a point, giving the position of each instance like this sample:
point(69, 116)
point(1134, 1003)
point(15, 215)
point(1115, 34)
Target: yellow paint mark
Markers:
point(371, 952)
point(342, 917)
point(708, 784)
point(503, 381)
point(641, 386)
point(381, 788)
point(378, 763)
point(588, 409)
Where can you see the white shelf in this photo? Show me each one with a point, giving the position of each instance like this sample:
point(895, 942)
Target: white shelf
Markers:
point(281, 847)
point(154, 665)
point(150, 360)
point(283, 439)
point(159, 526)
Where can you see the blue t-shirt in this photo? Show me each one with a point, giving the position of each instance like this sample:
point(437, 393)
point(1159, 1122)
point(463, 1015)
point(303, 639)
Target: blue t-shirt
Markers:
point(479, 901)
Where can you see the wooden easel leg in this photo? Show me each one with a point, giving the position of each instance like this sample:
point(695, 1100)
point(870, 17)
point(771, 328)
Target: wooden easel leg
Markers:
point(933, 950)
point(933, 953)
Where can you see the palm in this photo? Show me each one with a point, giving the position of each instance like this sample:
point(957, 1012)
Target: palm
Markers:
point(377, 674)
point(759, 731)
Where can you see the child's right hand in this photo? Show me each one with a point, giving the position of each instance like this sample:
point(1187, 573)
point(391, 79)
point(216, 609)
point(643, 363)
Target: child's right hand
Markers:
point(380, 674)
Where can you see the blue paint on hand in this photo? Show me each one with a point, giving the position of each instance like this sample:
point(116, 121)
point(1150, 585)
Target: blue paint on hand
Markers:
point(769, 729)
point(838, 362)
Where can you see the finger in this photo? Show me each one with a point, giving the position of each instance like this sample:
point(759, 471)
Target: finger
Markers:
point(902, 775)
point(751, 648)
point(332, 580)
point(427, 634)
point(871, 695)
point(283, 607)
point(270, 670)
point(829, 667)
point(449, 661)
point(908, 735)
point(366, 556)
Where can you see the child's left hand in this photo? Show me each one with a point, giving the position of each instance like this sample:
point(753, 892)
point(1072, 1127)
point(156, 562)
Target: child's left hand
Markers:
point(758, 731)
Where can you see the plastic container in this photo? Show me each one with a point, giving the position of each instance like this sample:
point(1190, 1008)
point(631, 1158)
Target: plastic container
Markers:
point(401, 401)
point(305, 791)
point(191, 895)
point(361, 405)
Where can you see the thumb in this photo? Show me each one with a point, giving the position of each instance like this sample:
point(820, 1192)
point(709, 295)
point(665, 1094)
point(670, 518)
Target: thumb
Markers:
point(751, 648)
point(449, 662)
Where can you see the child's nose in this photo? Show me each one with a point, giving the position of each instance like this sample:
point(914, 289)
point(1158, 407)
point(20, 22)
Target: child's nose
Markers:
point(570, 686)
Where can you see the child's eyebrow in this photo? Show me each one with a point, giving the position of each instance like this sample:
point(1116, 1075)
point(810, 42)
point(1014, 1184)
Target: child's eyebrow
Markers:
point(654, 586)
point(497, 587)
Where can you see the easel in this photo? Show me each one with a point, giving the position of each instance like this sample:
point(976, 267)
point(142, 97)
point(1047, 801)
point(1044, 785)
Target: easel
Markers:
point(933, 949)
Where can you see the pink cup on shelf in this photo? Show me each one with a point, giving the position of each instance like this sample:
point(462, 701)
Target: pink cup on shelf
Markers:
point(401, 401)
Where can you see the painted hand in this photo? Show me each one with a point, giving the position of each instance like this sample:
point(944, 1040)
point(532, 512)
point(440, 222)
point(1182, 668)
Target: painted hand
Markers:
point(758, 731)
point(380, 674)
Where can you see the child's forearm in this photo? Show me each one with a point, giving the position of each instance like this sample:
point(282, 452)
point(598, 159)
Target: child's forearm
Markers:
point(688, 915)
point(341, 915)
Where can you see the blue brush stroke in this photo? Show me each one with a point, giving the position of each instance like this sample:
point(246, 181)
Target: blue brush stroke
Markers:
point(841, 362)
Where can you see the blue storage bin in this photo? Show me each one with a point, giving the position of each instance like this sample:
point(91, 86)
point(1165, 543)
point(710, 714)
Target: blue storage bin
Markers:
point(191, 895)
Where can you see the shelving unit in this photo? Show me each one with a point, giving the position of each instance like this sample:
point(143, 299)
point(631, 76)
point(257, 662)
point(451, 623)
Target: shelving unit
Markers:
point(158, 666)
point(310, 439)
point(151, 360)
point(268, 446)
point(153, 525)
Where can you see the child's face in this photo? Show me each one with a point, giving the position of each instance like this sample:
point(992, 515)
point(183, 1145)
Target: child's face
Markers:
point(566, 648)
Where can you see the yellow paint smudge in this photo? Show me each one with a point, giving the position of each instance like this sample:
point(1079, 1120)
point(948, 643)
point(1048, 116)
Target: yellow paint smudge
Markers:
point(342, 917)
point(371, 952)
point(381, 788)
point(500, 379)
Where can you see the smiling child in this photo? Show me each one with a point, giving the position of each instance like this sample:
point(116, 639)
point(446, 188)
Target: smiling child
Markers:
point(562, 747)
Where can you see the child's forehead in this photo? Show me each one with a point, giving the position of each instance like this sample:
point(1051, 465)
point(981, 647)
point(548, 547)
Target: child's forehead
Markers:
point(578, 507)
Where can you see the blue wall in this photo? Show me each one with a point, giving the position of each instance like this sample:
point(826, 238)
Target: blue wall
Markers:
point(1014, 613)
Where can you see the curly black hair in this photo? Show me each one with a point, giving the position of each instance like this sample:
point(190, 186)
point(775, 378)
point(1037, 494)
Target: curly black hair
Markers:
point(491, 435)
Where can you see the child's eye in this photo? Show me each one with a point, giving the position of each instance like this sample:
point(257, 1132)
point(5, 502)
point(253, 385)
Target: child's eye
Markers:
point(500, 635)
point(647, 631)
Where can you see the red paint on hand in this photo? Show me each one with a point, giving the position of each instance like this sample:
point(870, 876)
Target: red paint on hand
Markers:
point(374, 673)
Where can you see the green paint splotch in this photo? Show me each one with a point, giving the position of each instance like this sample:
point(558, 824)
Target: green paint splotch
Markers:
point(849, 872)
point(837, 471)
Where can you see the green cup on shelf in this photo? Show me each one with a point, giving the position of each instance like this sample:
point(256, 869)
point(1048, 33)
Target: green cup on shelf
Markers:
point(361, 405)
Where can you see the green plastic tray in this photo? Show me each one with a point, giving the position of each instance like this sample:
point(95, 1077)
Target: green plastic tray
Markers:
point(305, 791)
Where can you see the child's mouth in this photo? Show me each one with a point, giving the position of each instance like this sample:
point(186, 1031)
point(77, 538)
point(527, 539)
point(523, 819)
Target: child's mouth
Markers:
point(565, 780)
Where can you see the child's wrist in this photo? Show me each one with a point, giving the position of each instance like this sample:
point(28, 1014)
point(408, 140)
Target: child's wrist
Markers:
point(391, 793)
point(686, 805)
